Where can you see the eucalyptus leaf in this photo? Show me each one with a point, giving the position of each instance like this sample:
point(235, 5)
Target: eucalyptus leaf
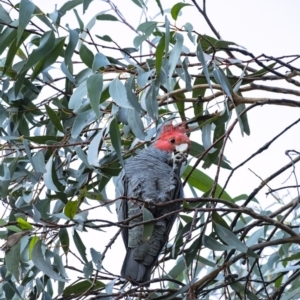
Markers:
point(42, 264)
point(116, 139)
point(80, 246)
point(97, 258)
point(94, 89)
point(176, 9)
point(12, 259)
point(26, 10)
point(118, 93)
point(175, 53)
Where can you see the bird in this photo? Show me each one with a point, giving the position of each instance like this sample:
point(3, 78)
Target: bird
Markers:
point(152, 176)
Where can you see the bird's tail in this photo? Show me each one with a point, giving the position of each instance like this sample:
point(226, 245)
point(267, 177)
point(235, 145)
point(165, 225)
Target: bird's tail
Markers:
point(134, 270)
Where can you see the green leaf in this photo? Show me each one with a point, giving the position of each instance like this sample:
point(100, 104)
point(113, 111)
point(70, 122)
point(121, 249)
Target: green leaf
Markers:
point(175, 53)
point(147, 27)
point(105, 38)
point(80, 23)
point(223, 81)
point(88, 270)
point(97, 259)
point(230, 238)
point(217, 219)
point(7, 36)
point(292, 257)
point(201, 58)
point(118, 93)
point(223, 44)
point(73, 40)
point(167, 34)
point(106, 17)
point(38, 162)
point(160, 7)
point(244, 119)
point(71, 208)
point(49, 59)
point(93, 150)
point(80, 246)
point(94, 196)
point(177, 269)
point(212, 244)
point(182, 290)
point(32, 243)
point(196, 149)
point(54, 118)
point(44, 139)
point(151, 102)
point(4, 15)
point(206, 261)
point(75, 102)
point(13, 49)
point(192, 251)
point(86, 55)
point(202, 182)
point(116, 139)
point(24, 225)
point(278, 283)
point(82, 120)
point(176, 9)
point(147, 228)
point(187, 77)
point(100, 61)
point(94, 87)
point(50, 177)
point(80, 287)
point(42, 264)
point(207, 42)
point(180, 104)
point(138, 40)
point(136, 124)
point(45, 46)
point(189, 28)
point(12, 260)
point(39, 14)
point(138, 3)
point(13, 228)
point(159, 54)
point(131, 95)
point(64, 239)
point(69, 5)
point(26, 10)
point(86, 4)
point(240, 288)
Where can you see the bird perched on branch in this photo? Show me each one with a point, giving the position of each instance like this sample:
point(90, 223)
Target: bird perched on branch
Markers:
point(151, 177)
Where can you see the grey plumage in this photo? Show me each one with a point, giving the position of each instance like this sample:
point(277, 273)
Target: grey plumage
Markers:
point(152, 177)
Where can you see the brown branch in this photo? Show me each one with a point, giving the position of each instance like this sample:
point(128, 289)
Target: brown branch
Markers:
point(201, 283)
point(260, 150)
point(272, 89)
point(263, 183)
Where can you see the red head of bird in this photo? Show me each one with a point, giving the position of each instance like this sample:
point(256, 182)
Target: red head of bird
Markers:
point(173, 138)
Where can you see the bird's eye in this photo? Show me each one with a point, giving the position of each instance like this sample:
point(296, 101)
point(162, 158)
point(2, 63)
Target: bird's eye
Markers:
point(172, 141)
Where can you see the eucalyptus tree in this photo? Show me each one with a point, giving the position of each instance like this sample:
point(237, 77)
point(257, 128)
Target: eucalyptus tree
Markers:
point(78, 100)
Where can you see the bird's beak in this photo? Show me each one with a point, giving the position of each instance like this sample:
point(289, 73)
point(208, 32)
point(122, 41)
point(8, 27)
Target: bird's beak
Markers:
point(182, 148)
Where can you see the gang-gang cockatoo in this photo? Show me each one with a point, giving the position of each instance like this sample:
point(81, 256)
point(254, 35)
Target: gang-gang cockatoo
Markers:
point(152, 176)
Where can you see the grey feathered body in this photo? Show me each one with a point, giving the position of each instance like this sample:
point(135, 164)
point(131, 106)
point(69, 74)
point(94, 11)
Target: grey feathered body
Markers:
point(151, 177)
